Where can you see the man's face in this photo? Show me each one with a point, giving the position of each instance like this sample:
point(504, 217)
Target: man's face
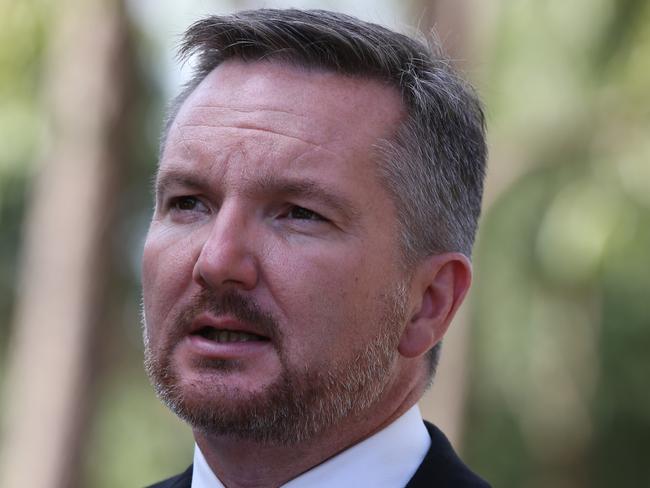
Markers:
point(274, 293)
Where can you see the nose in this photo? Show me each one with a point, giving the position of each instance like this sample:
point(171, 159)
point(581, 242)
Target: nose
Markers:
point(226, 258)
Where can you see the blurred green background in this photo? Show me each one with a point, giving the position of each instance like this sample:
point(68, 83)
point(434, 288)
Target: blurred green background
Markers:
point(554, 390)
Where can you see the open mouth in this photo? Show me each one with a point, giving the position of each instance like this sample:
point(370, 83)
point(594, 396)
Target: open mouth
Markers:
point(228, 336)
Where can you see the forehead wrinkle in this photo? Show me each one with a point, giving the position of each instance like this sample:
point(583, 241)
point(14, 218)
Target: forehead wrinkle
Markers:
point(247, 110)
point(191, 146)
point(182, 139)
point(252, 127)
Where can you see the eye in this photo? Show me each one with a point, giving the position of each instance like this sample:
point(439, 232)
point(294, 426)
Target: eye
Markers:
point(185, 206)
point(184, 203)
point(301, 213)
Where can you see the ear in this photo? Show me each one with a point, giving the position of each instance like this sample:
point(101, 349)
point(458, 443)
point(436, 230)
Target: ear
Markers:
point(439, 286)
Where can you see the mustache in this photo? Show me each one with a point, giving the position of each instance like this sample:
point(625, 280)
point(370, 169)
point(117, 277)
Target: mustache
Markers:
point(230, 302)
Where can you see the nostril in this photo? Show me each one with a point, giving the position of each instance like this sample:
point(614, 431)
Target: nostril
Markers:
point(226, 261)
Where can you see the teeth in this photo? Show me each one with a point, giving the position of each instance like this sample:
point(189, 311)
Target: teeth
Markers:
point(228, 336)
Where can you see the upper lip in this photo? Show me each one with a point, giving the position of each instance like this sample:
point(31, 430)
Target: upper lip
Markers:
point(226, 322)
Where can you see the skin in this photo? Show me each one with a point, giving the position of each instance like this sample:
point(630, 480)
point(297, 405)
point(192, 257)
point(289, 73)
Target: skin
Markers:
point(268, 187)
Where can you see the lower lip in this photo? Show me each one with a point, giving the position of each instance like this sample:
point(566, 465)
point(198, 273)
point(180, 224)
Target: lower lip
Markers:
point(223, 350)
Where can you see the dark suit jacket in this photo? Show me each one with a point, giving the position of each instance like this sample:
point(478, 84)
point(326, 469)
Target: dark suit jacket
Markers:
point(441, 468)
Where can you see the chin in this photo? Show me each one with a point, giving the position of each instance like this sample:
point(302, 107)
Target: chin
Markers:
point(217, 398)
point(270, 415)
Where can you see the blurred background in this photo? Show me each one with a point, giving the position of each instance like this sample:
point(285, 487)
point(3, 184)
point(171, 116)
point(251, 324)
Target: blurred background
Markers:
point(544, 377)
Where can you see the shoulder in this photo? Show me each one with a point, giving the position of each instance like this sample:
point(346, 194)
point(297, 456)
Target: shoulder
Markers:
point(183, 480)
point(442, 467)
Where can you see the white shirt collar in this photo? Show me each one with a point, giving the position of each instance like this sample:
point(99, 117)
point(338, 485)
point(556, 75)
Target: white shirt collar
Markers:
point(387, 459)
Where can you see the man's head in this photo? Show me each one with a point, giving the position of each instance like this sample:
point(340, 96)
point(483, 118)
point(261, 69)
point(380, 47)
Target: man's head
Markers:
point(434, 163)
point(318, 191)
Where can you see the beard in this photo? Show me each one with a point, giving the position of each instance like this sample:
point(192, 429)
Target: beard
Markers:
point(301, 403)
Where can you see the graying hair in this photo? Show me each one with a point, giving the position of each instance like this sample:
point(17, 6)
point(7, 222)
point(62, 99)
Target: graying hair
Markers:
point(434, 166)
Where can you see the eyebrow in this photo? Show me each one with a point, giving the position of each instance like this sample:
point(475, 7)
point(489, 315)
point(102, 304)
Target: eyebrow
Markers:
point(305, 188)
point(265, 185)
point(166, 179)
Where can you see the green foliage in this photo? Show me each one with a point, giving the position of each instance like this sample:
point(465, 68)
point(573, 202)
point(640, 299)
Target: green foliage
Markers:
point(559, 395)
point(23, 31)
point(135, 440)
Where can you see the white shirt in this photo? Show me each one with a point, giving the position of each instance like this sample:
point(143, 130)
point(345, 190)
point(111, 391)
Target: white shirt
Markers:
point(387, 459)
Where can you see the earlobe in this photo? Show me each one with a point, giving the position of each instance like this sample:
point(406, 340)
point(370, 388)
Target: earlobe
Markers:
point(439, 286)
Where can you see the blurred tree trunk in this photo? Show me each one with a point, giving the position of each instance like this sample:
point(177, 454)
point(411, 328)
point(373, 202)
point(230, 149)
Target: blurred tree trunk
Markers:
point(444, 403)
point(64, 262)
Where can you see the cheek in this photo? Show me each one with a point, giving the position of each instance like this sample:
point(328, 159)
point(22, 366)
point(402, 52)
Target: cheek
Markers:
point(166, 273)
point(325, 296)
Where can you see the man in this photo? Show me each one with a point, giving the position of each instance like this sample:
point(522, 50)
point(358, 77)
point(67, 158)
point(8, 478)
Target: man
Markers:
point(316, 204)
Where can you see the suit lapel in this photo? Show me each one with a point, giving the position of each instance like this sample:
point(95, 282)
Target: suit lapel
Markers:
point(183, 480)
point(442, 468)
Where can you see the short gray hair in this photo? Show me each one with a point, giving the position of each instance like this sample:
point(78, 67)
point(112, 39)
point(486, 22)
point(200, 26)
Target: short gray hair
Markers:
point(434, 166)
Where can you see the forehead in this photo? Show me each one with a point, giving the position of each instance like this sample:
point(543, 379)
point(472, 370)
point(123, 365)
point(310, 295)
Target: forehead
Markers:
point(322, 106)
point(324, 93)
point(247, 121)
